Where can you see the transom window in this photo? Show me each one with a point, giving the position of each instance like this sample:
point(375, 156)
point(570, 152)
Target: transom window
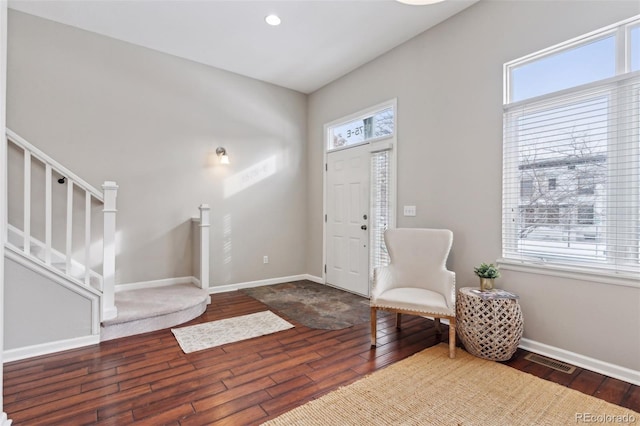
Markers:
point(377, 125)
point(571, 178)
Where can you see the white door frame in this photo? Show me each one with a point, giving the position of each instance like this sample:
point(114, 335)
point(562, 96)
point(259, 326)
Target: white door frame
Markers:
point(376, 145)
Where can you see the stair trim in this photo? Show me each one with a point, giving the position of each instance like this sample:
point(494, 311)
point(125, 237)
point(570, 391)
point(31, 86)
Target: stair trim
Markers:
point(14, 230)
point(68, 281)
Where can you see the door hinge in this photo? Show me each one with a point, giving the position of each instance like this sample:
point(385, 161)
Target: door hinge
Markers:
point(326, 167)
point(325, 268)
point(325, 218)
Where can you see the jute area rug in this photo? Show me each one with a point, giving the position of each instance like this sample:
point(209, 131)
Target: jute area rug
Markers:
point(431, 389)
point(216, 333)
point(314, 305)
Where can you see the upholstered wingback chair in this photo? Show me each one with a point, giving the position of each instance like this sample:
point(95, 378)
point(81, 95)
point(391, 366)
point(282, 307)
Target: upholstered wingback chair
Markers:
point(416, 282)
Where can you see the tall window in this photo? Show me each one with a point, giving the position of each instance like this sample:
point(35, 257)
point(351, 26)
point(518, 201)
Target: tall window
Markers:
point(571, 179)
point(380, 207)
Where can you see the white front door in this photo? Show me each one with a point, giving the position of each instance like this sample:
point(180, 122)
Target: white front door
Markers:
point(348, 175)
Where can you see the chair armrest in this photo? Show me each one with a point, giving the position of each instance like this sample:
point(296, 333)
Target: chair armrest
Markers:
point(382, 280)
point(450, 294)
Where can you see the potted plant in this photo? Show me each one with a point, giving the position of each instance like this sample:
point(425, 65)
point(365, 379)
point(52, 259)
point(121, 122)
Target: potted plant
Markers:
point(487, 273)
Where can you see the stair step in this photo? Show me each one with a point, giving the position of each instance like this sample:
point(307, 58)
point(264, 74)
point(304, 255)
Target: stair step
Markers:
point(151, 309)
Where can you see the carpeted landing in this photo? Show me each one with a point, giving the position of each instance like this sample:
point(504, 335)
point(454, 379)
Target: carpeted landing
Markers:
point(151, 309)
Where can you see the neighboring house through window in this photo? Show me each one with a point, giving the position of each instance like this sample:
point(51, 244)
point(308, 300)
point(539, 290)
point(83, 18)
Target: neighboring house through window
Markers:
point(571, 180)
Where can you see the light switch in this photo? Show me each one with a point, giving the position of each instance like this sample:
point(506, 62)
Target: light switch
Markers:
point(409, 210)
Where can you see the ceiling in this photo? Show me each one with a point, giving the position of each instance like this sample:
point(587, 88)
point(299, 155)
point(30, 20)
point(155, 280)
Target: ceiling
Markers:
point(317, 42)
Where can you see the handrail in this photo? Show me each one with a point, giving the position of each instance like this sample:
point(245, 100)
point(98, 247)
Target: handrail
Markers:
point(77, 181)
point(107, 197)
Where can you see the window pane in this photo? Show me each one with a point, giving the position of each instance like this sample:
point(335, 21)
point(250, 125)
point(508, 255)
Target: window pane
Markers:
point(562, 164)
point(380, 208)
point(635, 48)
point(580, 65)
point(377, 125)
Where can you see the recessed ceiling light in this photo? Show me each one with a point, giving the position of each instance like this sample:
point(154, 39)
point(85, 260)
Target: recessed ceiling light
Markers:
point(273, 20)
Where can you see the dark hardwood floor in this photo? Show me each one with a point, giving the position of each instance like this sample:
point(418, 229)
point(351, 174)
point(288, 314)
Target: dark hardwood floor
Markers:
point(147, 379)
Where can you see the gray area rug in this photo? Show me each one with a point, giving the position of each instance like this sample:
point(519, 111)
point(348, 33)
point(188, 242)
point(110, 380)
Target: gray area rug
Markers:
point(314, 305)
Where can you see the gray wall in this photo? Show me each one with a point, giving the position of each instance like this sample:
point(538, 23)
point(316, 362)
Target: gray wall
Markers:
point(38, 311)
point(448, 82)
point(151, 122)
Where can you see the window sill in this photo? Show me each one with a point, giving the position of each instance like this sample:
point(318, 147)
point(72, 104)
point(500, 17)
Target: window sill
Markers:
point(562, 271)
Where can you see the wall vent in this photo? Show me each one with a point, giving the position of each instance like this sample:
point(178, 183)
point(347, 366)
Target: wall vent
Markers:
point(551, 363)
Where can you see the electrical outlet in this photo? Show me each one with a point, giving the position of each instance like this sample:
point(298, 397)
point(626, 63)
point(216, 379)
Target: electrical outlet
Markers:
point(265, 259)
point(409, 210)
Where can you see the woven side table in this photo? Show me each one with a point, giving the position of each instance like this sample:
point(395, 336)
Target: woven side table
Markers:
point(489, 329)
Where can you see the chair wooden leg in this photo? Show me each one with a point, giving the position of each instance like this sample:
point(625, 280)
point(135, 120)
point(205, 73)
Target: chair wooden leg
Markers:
point(452, 337)
point(374, 324)
point(437, 323)
point(398, 320)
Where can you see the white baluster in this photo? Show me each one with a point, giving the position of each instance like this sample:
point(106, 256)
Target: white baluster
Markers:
point(48, 213)
point(87, 237)
point(204, 246)
point(109, 309)
point(69, 248)
point(27, 203)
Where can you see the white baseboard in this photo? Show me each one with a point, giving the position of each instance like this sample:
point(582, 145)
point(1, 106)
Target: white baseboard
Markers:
point(157, 283)
point(259, 283)
point(48, 348)
point(216, 289)
point(315, 279)
point(602, 367)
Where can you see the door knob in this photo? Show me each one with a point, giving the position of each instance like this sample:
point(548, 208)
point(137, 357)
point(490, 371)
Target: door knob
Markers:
point(363, 227)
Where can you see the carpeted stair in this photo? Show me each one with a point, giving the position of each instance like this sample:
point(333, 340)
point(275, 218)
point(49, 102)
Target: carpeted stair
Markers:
point(150, 309)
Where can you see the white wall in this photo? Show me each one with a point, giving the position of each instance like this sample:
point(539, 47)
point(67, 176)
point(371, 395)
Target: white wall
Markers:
point(448, 82)
point(151, 122)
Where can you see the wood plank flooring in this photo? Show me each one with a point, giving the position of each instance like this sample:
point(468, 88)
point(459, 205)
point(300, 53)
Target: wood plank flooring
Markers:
point(147, 379)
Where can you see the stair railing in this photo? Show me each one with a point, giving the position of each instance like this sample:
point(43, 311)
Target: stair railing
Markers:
point(107, 198)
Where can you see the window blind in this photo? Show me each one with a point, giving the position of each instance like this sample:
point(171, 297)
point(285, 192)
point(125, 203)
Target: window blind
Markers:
point(380, 207)
point(571, 177)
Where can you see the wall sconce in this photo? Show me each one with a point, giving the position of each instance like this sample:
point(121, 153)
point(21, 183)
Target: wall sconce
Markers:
point(222, 155)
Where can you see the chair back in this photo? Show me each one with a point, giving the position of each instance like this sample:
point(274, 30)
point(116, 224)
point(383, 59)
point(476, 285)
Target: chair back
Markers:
point(419, 256)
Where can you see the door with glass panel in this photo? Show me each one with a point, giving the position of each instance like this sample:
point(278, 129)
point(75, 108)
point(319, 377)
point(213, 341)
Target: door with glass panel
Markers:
point(359, 194)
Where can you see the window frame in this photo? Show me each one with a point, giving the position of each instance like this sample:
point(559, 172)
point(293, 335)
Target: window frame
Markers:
point(361, 115)
point(572, 268)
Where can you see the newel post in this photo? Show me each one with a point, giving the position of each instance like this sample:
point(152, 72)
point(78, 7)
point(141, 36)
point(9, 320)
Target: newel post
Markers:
point(204, 246)
point(109, 310)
